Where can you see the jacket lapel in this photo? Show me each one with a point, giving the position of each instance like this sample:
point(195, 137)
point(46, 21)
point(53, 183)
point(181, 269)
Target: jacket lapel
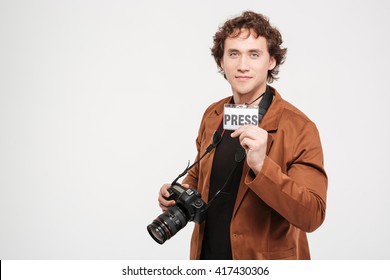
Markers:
point(243, 188)
point(270, 123)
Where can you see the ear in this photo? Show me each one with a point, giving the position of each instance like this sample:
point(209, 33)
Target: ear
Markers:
point(221, 63)
point(272, 63)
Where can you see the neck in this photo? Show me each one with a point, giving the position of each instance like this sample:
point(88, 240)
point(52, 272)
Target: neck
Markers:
point(249, 99)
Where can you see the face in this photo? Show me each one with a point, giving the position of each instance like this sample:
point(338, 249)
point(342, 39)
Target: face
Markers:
point(246, 62)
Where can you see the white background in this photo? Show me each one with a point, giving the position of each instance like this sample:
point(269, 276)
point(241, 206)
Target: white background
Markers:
point(100, 103)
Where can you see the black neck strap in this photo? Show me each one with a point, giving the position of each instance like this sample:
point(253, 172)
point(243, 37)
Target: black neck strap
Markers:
point(265, 103)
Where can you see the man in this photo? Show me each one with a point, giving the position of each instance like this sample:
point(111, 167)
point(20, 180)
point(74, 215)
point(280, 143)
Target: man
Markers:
point(278, 192)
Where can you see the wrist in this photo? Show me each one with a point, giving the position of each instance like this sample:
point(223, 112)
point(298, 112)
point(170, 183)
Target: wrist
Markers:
point(256, 170)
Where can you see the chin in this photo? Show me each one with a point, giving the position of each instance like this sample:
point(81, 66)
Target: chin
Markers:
point(243, 92)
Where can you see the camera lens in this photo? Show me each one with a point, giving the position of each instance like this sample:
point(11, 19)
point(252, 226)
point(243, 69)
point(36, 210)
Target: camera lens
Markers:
point(167, 224)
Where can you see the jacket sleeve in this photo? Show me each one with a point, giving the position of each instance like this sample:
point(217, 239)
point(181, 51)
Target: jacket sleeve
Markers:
point(298, 194)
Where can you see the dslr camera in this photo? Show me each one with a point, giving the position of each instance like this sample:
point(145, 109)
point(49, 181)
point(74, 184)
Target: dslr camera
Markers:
point(189, 207)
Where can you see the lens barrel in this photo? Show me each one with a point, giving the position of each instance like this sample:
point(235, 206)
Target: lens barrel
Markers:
point(167, 224)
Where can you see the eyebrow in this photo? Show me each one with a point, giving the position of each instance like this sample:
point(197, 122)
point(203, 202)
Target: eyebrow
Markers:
point(251, 50)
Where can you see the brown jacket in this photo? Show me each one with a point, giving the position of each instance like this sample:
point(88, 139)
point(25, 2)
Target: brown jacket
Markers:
point(273, 210)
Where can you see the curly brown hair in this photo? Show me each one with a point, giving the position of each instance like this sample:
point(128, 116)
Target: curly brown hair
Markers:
point(260, 26)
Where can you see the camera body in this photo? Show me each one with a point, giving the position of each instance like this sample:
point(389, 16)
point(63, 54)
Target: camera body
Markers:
point(190, 202)
point(189, 207)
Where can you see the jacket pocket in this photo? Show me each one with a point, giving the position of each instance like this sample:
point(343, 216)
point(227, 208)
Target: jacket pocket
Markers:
point(289, 254)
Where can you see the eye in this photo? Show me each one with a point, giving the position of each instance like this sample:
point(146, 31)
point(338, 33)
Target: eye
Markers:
point(254, 55)
point(233, 54)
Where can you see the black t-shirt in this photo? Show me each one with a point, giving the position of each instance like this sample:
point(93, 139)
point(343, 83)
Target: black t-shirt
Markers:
point(216, 241)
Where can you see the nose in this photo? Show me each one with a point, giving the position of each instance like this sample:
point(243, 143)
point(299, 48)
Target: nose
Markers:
point(243, 64)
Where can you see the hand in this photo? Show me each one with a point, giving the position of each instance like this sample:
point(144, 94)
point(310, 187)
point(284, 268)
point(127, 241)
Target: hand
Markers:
point(254, 140)
point(165, 204)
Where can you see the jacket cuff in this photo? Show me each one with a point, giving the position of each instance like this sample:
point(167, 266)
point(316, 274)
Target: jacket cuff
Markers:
point(251, 178)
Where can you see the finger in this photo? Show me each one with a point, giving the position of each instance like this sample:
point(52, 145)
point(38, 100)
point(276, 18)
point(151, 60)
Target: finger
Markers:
point(164, 193)
point(164, 207)
point(237, 132)
point(248, 144)
point(254, 133)
point(164, 190)
point(165, 203)
point(162, 198)
point(244, 129)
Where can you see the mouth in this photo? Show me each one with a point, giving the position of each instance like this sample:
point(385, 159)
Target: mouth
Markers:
point(243, 78)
